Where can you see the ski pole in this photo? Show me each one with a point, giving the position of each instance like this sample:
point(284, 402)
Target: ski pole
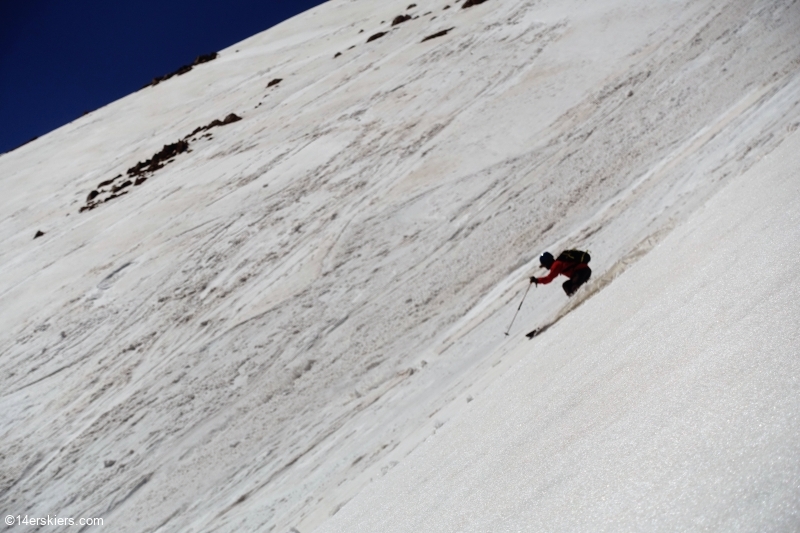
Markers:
point(518, 308)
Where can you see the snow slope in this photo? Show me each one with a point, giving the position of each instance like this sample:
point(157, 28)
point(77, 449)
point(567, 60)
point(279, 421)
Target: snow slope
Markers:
point(284, 312)
point(669, 402)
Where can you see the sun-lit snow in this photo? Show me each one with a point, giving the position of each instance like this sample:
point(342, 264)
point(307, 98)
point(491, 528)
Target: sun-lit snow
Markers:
point(307, 307)
point(668, 402)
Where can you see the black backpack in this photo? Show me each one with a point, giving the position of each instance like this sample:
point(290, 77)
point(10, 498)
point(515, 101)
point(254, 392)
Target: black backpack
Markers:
point(574, 256)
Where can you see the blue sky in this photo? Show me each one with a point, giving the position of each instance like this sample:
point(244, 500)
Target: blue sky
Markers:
point(60, 58)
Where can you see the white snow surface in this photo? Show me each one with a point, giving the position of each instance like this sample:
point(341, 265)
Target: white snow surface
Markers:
point(299, 323)
point(668, 402)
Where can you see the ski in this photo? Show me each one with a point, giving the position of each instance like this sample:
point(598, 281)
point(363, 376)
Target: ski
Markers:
point(539, 330)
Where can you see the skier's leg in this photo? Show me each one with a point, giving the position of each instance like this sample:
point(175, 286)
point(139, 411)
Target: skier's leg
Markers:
point(581, 277)
point(568, 287)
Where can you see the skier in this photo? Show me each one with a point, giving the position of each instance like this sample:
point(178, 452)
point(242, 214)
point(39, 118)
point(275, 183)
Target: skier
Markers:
point(570, 263)
point(573, 264)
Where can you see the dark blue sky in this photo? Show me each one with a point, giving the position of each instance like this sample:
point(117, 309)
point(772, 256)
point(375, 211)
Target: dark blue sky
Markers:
point(59, 58)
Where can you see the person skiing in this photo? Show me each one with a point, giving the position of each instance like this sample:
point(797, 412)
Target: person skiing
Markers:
point(570, 263)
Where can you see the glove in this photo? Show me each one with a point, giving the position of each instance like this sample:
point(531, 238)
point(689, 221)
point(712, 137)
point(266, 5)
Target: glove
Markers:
point(534, 280)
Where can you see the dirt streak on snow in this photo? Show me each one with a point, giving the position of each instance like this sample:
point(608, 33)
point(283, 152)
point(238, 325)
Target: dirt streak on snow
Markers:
point(284, 312)
point(670, 402)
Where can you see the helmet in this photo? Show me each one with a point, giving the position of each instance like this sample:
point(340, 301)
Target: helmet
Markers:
point(546, 260)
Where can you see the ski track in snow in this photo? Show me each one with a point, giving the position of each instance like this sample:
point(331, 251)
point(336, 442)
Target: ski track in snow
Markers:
point(655, 407)
point(282, 314)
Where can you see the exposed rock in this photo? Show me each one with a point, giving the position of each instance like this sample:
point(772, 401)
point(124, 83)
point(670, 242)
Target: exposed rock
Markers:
point(230, 119)
point(376, 36)
point(39, 233)
point(23, 144)
point(108, 182)
point(140, 170)
point(399, 19)
point(470, 3)
point(123, 193)
point(205, 58)
point(274, 82)
point(158, 160)
point(435, 35)
point(121, 186)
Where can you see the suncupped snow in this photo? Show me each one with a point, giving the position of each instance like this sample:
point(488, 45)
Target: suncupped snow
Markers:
point(295, 305)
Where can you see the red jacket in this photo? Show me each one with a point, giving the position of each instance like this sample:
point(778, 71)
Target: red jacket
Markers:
point(560, 267)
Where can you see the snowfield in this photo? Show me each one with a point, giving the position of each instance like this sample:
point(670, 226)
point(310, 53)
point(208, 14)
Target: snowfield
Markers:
point(668, 402)
point(295, 321)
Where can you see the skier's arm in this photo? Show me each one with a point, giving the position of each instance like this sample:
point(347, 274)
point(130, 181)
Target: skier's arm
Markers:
point(555, 270)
